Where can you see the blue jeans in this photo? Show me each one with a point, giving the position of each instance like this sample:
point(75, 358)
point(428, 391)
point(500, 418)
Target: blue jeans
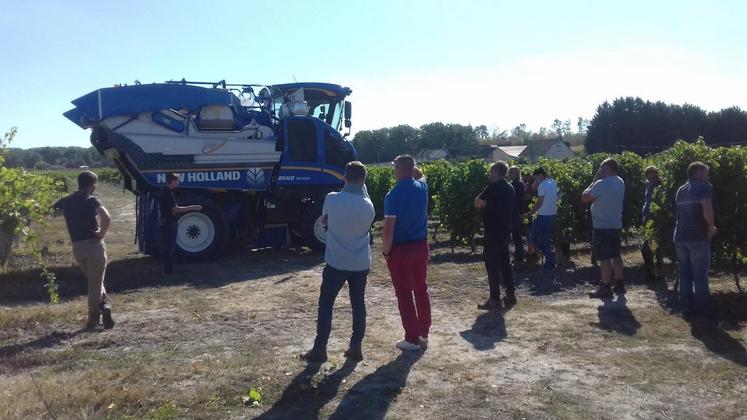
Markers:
point(332, 281)
point(541, 238)
point(693, 262)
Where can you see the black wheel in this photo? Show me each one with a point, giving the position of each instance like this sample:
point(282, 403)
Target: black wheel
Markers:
point(200, 234)
point(314, 234)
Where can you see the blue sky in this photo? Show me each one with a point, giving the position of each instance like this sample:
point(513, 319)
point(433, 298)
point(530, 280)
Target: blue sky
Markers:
point(498, 63)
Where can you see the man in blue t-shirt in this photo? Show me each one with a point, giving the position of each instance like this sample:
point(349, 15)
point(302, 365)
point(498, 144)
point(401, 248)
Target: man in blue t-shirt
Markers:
point(405, 247)
point(692, 242)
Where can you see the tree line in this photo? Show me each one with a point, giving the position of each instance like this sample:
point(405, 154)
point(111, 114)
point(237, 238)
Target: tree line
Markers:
point(647, 127)
point(384, 144)
point(625, 124)
point(54, 157)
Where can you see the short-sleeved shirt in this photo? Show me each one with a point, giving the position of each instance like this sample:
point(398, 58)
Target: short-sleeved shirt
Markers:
point(408, 202)
point(79, 209)
point(548, 189)
point(499, 210)
point(167, 201)
point(520, 204)
point(691, 226)
point(350, 214)
point(607, 208)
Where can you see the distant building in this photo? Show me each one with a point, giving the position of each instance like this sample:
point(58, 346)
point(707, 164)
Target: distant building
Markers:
point(428, 155)
point(547, 148)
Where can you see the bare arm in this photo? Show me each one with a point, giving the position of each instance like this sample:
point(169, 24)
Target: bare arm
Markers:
point(416, 173)
point(538, 204)
point(105, 221)
point(586, 196)
point(708, 216)
point(388, 235)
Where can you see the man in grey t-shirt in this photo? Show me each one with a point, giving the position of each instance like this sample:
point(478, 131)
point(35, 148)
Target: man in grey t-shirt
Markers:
point(348, 215)
point(606, 195)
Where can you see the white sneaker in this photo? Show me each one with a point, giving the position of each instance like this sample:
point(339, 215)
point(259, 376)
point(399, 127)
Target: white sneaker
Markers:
point(407, 346)
point(423, 341)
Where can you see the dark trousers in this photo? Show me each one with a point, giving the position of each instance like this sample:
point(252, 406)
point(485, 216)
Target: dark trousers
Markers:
point(517, 234)
point(168, 245)
point(652, 261)
point(498, 265)
point(332, 281)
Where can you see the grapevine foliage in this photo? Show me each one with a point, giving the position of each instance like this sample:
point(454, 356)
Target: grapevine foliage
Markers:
point(453, 187)
point(25, 202)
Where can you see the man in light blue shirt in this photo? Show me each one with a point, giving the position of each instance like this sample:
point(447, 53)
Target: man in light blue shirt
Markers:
point(348, 215)
point(606, 195)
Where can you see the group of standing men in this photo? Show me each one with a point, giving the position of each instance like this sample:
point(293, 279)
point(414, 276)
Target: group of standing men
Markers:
point(504, 209)
point(349, 214)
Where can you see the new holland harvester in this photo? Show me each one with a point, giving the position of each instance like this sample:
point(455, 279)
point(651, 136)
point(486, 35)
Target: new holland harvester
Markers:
point(258, 159)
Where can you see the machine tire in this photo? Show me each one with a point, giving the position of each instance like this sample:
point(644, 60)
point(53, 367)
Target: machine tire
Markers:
point(314, 235)
point(200, 234)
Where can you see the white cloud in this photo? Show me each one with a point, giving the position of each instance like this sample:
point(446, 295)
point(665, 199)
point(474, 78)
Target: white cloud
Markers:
point(536, 89)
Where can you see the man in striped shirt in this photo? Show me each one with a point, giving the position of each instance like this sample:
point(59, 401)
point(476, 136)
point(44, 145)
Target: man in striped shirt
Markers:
point(692, 241)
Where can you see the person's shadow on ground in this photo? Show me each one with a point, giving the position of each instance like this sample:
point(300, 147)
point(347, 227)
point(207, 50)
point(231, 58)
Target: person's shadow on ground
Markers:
point(52, 339)
point(302, 399)
point(488, 329)
point(615, 316)
point(720, 342)
point(371, 397)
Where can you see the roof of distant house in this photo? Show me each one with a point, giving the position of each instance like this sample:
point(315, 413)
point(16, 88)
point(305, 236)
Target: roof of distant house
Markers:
point(513, 151)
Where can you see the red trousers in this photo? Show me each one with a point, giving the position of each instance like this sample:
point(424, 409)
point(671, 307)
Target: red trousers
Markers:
point(408, 266)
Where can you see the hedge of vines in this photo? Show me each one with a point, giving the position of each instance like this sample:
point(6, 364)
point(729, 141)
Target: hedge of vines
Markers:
point(453, 187)
point(25, 203)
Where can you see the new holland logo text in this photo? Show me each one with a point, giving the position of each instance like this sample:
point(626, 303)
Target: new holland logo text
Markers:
point(213, 176)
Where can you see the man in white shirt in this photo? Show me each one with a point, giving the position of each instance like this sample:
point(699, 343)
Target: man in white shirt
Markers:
point(546, 208)
point(348, 215)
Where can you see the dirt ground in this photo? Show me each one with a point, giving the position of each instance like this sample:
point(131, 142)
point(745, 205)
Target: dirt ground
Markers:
point(194, 345)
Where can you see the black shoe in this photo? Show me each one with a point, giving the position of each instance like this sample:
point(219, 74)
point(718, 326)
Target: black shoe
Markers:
point(315, 356)
point(689, 317)
point(106, 314)
point(490, 304)
point(603, 292)
point(619, 288)
point(509, 300)
point(354, 354)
